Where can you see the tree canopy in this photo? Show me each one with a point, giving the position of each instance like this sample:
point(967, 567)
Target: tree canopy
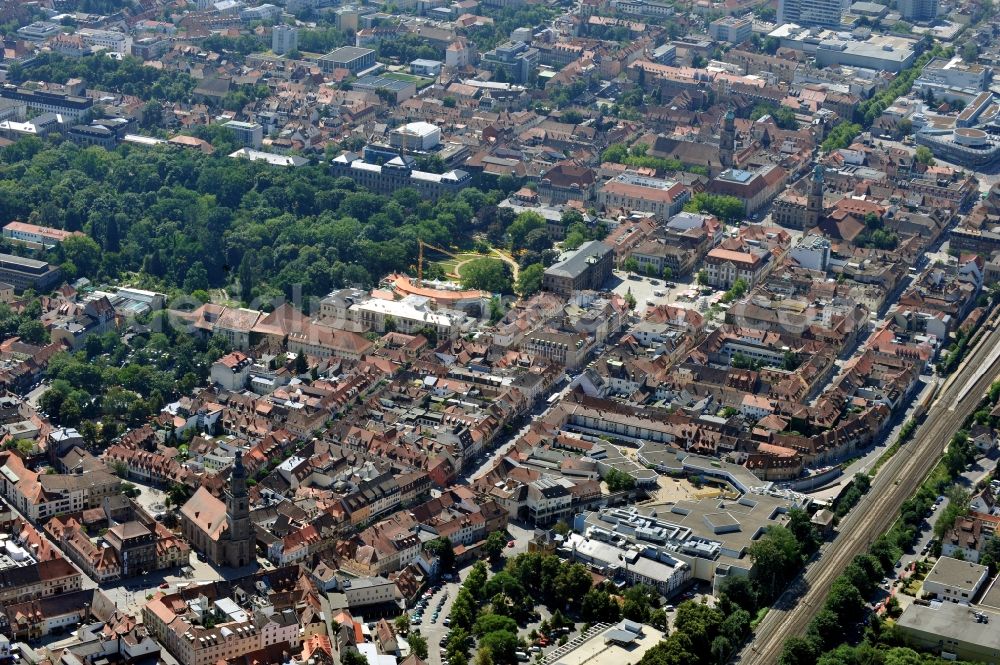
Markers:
point(179, 221)
point(727, 208)
point(487, 274)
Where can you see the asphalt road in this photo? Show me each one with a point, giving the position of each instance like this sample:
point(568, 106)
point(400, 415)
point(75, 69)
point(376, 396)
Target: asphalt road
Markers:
point(879, 508)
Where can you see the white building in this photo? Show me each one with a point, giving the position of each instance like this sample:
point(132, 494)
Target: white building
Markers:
point(248, 134)
point(423, 67)
point(756, 407)
point(408, 315)
point(416, 136)
point(116, 42)
point(954, 580)
point(891, 53)
point(232, 371)
point(549, 500)
point(284, 39)
point(643, 7)
point(266, 13)
point(824, 13)
point(38, 235)
point(951, 78)
point(458, 54)
point(39, 31)
point(732, 29)
point(271, 158)
point(666, 575)
point(812, 252)
point(363, 591)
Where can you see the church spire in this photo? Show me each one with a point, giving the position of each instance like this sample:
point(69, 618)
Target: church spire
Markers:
point(727, 139)
point(238, 543)
point(238, 478)
point(814, 203)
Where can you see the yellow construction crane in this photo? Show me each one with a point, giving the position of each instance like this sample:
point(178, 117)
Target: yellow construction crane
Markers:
point(420, 257)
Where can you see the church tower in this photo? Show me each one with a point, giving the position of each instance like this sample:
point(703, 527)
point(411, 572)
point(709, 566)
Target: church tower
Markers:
point(814, 204)
point(239, 545)
point(727, 140)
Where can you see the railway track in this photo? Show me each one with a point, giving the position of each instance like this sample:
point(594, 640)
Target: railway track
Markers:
point(879, 508)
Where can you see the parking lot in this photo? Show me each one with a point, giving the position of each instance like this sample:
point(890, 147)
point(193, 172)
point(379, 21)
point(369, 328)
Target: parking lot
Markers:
point(433, 629)
point(645, 290)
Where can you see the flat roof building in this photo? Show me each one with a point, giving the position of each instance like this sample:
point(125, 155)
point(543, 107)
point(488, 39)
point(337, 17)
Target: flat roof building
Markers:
point(415, 137)
point(886, 53)
point(870, 9)
point(954, 580)
point(284, 39)
point(954, 631)
point(824, 13)
point(248, 134)
point(397, 89)
point(624, 642)
point(952, 78)
point(22, 273)
point(516, 61)
point(918, 10)
point(274, 159)
point(732, 29)
point(424, 67)
point(352, 58)
point(712, 536)
point(39, 31)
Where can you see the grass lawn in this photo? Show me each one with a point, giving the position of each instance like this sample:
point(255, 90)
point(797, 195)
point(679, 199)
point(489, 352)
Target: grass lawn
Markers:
point(420, 81)
point(448, 266)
